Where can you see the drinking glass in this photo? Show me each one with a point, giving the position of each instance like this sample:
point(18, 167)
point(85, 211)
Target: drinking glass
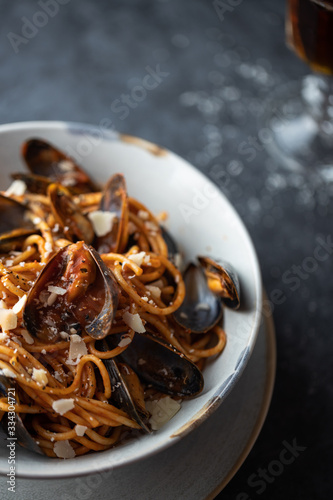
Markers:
point(301, 115)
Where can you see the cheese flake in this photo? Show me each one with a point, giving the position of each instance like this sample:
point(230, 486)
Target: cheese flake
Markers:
point(124, 341)
point(137, 258)
point(134, 322)
point(80, 429)
point(17, 188)
point(154, 290)
point(162, 410)
point(56, 289)
point(40, 376)
point(19, 304)
point(8, 319)
point(62, 406)
point(8, 373)
point(77, 349)
point(27, 337)
point(102, 221)
point(63, 449)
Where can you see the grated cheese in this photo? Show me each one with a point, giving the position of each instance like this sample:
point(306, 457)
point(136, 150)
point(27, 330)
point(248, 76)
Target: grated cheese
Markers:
point(102, 221)
point(134, 322)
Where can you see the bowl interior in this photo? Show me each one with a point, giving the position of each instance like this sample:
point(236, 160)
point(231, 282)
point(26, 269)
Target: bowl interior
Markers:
point(201, 220)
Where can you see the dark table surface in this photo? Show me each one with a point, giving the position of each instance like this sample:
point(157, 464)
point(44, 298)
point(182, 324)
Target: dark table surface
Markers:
point(214, 77)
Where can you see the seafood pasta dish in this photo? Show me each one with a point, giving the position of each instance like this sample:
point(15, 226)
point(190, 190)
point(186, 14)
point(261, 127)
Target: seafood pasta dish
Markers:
point(102, 331)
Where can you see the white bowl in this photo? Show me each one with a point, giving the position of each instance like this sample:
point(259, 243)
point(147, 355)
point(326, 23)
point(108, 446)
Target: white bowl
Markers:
point(201, 220)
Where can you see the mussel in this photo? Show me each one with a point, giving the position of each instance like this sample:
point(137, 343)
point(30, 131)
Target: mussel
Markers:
point(160, 364)
point(21, 433)
point(75, 292)
point(114, 200)
point(14, 227)
point(222, 280)
point(201, 308)
point(45, 160)
point(127, 392)
point(75, 225)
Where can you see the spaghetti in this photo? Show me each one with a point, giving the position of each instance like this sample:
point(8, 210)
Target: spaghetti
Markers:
point(66, 403)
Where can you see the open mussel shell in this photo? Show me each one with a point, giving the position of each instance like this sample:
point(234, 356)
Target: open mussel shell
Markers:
point(75, 225)
point(21, 433)
point(114, 200)
point(45, 160)
point(201, 308)
point(173, 251)
point(161, 365)
point(85, 297)
point(126, 396)
point(14, 227)
point(222, 280)
point(36, 184)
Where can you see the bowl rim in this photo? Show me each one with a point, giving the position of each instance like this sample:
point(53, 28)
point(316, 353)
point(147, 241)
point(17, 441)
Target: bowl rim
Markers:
point(221, 392)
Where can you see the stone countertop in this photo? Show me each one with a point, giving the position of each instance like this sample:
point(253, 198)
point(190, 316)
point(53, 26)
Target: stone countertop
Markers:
point(180, 75)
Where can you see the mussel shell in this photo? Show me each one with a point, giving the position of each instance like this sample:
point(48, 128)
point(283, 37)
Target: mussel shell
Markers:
point(75, 225)
point(90, 301)
point(121, 395)
point(223, 280)
point(201, 309)
point(45, 160)
point(36, 184)
point(114, 199)
point(161, 365)
point(173, 251)
point(14, 227)
point(21, 434)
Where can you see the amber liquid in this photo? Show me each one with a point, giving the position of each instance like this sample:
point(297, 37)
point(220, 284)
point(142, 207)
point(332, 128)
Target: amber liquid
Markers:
point(310, 32)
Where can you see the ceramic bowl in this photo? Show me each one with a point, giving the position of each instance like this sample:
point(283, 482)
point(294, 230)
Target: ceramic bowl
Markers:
point(201, 220)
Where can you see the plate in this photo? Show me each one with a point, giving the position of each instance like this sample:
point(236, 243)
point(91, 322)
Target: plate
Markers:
point(222, 444)
point(201, 220)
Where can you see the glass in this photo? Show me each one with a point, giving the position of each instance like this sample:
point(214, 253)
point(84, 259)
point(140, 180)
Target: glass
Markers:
point(301, 118)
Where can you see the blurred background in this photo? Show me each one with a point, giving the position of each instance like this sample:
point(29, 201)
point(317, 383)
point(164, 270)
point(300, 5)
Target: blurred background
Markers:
point(195, 77)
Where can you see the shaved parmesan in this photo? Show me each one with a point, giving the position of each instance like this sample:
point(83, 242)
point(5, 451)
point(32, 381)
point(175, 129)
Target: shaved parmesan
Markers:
point(80, 429)
point(137, 258)
point(64, 335)
point(202, 306)
point(8, 373)
point(3, 336)
point(154, 290)
point(77, 349)
point(161, 411)
point(56, 289)
point(124, 341)
point(62, 406)
point(143, 215)
point(51, 299)
point(102, 221)
point(8, 319)
point(27, 337)
point(134, 321)
point(19, 304)
point(17, 188)
point(63, 449)
point(40, 376)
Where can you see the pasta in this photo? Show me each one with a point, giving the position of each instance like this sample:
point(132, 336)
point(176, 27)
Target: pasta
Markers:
point(64, 398)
